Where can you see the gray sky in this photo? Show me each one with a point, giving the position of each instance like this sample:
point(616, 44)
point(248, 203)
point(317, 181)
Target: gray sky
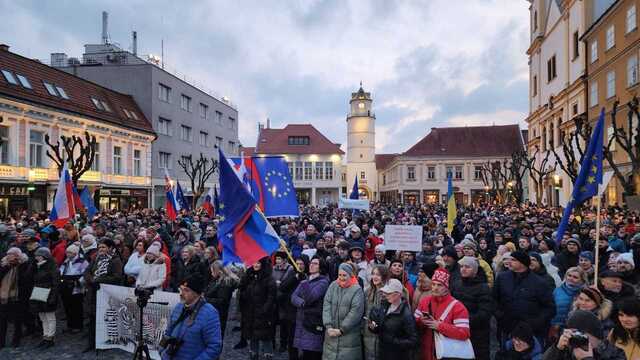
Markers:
point(429, 63)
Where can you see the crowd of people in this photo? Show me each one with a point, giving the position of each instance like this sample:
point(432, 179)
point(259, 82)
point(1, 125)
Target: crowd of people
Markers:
point(498, 286)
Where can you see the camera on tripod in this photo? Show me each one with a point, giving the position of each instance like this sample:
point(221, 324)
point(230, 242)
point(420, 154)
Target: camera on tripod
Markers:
point(143, 294)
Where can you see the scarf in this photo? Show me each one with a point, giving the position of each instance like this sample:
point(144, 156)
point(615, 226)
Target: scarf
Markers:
point(9, 286)
point(347, 283)
point(103, 265)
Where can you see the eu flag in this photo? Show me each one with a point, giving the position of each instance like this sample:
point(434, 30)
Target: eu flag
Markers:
point(182, 201)
point(589, 177)
point(271, 184)
point(354, 192)
point(87, 201)
point(452, 210)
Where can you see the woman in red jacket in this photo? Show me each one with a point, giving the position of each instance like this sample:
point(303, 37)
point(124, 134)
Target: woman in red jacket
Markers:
point(429, 315)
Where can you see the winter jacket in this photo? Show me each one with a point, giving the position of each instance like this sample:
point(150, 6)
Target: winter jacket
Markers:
point(343, 309)
point(455, 325)
point(151, 275)
point(475, 295)
point(424, 257)
point(58, 251)
point(563, 297)
point(604, 351)
point(564, 261)
point(134, 264)
point(373, 300)
point(46, 276)
point(397, 333)
point(288, 284)
point(308, 298)
point(181, 271)
point(534, 353)
point(25, 280)
point(201, 335)
point(548, 279)
point(72, 271)
point(627, 291)
point(486, 268)
point(631, 348)
point(523, 297)
point(112, 274)
point(219, 295)
point(258, 303)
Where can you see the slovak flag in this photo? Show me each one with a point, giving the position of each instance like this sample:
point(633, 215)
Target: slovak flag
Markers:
point(208, 204)
point(63, 203)
point(244, 231)
point(170, 203)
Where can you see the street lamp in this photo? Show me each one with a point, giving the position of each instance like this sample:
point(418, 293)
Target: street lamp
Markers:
point(557, 181)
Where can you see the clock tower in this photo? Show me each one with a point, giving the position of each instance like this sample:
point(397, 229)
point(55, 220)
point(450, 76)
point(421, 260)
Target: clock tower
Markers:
point(361, 145)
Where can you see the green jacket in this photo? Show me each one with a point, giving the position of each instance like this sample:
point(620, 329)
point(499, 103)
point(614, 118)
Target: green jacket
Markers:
point(343, 309)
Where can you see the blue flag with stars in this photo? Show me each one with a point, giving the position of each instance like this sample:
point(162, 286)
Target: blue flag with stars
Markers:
point(589, 177)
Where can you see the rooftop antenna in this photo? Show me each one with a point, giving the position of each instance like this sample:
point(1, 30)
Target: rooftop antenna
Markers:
point(162, 43)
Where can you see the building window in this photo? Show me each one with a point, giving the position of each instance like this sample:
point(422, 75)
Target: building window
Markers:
point(232, 123)
point(477, 172)
point(459, 173)
point(36, 148)
point(290, 166)
point(611, 37)
point(362, 175)
point(218, 142)
point(232, 147)
point(24, 81)
point(204, 139)
point(594, 50)
point(164, 93)
point(8, 75)
point(185, 103)
point(576, 45)
point(384, 179)
point(411, 173)
point(137, 163)
point(219, 117)
point(431, 173)
point(4, 145)
point(298, 140)
point(308, 170)
point(298, 170)
point(328, 170)
point(574, 109)
point(631, 18)
point(449, 171)
point(164, 126)
point(610, 134)
point(95, 166)
point(63, 94)
point(611, 84)
point(50, 89)
point(632, 70)
point(117, 160)
point(164, 160)
point(319, 170)
point(185, 133)
point(535, 85)
point(551, 68)
point(535, 20)
point(204, 111)
point(593, 94)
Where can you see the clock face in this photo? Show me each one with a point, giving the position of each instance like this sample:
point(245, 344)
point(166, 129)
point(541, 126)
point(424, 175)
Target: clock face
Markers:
point(361, 105)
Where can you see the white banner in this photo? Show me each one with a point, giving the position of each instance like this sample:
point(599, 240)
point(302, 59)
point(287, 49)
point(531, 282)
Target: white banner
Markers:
point(118, 318)
point(403, 237)
point(357, 204)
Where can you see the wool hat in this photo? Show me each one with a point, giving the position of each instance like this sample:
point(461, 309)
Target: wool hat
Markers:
point(450, 251)
point(593, 293)
point(441, 276)
point(73, 249)
point(14, 251)
point(309, 252)
point(587, 255)
point(381, 247)
point(356, 248)
point(626, 257)
point(30, 233)
point(195, 282)
point(611, 274)
point(346, 268)
point(469, 236)
point(586, 322)
point(392, 286)
point(574, 241)
point(522, 331)
point(521, 257)
point(429, 268)
point(154, 249)
point(44, 252)
point(536, 256)
point(470, 261)
point(469, 243)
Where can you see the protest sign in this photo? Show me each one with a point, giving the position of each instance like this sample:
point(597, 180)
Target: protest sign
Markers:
point(403, 237)
point(356, 204)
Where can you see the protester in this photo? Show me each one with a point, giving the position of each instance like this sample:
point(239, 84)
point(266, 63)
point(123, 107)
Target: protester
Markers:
point(152, 273)
point(15, 288)
point(423, 285)
point(45, 277)
point(591, 299)
point(72, 288)
point(135, 261)
point(287, 312)
point(538, 268)
point(626, 330)
point(574, 280)
point(220, 290)
point(373, 302)
point(522, 345)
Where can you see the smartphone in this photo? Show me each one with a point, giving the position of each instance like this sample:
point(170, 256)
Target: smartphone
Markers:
point(427, 315)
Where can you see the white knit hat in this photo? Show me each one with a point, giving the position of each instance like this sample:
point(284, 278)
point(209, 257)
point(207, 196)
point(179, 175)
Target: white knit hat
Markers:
point(626, 257)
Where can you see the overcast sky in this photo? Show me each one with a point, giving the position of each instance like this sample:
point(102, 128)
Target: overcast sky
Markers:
point(429, 63)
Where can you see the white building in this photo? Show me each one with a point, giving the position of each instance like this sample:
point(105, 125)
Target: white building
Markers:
point(361, 146)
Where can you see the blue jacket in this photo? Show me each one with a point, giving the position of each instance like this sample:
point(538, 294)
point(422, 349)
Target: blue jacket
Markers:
point(202, 340)
point(563, 297)
point(535, 354)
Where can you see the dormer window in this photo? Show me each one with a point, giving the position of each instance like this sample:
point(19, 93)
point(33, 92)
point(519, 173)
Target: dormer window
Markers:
point(298, 140)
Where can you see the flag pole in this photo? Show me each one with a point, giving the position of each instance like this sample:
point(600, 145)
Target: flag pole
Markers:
point(284, 248)
point(597, 250)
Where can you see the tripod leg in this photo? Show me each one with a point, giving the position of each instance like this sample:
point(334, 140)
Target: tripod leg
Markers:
point(146, 352)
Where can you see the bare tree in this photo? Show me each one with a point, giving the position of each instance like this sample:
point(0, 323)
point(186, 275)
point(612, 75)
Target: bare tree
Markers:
point(198, 173)
point(574, 145)
point(79, 153)
point(496, 175)
point(520, 163)
point(629, 141)
point(539, 170)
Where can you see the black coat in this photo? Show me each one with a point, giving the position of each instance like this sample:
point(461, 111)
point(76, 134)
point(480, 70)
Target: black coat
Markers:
point(397, 333)
point(181, 271)
point(523, 297)
point(25, 282)
point(566, 260)
point(258, 304)
point(46, 276)
point(475, 294)
point(219, 295)
point(288, 284)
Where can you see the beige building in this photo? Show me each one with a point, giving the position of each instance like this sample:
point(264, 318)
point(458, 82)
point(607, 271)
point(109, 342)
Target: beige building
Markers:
point(361, 145)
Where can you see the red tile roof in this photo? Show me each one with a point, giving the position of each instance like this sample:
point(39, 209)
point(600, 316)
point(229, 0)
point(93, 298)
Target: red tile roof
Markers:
point(248, 151)
point(469, 141)
point(79, 91)
point(383, 160)
point(276, 141)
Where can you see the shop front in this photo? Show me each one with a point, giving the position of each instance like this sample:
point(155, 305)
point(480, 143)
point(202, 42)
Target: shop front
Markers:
point(123, 199)
point(479, 196)
point(411, 197)
point(431, 196)
point(15, 198)
point(303, 196)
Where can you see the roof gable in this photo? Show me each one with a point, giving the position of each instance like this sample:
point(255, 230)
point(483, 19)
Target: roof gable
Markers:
point(276, 141)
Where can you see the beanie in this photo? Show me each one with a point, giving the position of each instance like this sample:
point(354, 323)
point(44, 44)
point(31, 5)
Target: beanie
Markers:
point(14, 251)
point(522, 331)
point(154, 249)
point(626, 257)
point(594, 294)
point(44, 252)
point(469, 261)
point(587, 255)
point(429, 268)
point(521, 257)
point(441, 276)
point(73, 249)
point(574, 241)
point(381, 248)
point(450, 251)
point(195, 282)
point(346, 268)
point(469, 243)
point(586, 322)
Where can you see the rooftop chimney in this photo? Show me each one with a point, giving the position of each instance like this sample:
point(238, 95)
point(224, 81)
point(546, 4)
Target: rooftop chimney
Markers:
point(268, 123)
point(135, 43)
point(105, 27)
point(4, 47)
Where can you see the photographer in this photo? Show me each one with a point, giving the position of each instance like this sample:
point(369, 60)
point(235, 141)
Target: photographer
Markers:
point(194, 330)
point(582, 339)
